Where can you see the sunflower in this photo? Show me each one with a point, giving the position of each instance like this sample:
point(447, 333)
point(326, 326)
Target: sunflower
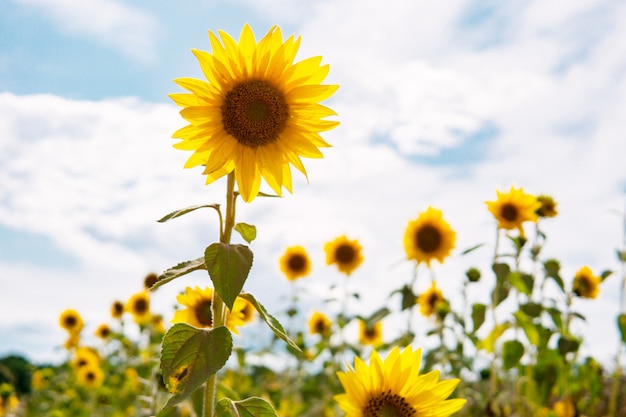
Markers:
point(393, 387)
point(199, 311)
point(117, 309)
point(345, 253)
point(514, 208)
point(295, 263)
point(319, 324)
point(429, 300)
point(429, 237)
point(90, 376)
point(256, 113)
point(372, 335)
point(85, 356)
point(565, 408)
point(243, 310)
point(71, 321)
point(103, 331)
point(548, 206)
point(586, 284)
point(139, 306)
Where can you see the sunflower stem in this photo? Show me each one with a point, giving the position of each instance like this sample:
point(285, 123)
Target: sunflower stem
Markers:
point(218, 306)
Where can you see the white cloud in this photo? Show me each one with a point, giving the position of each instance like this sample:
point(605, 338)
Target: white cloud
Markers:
point(128, 29)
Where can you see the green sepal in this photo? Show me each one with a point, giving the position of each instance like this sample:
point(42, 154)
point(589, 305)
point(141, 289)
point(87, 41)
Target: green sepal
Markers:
point(621, 325)
point(189, 356)
point(228, 267)
point(178, 271)
point(184, 211)
point(273, 324)
point(512, 352)
point(247, 231)
point(250, 407)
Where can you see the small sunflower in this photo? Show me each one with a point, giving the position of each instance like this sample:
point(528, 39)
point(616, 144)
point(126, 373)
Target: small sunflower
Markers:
point(71, 321)
point(139, 306)
point(295, 263)
point(345, 253)
point(548, 206)
point(90, 376)
point(257, 113)
point(565, 408)
point(394, 387)
point(429, 237)
point(72, 341)
point(41, 378)
point(586, 284)
point(117, 309)
point(199, 311)
point(103, 331)
point(85, 356)
point(372, 335)
point(243, 310)
point(319, 324)
point(514, 208)
point(429, 300)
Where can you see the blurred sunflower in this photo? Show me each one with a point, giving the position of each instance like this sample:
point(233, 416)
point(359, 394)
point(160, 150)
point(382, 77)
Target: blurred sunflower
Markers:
point(295, 263)
point(372, 335)
point(139, 306)
point(243, 310)
point(586, 284)
point(344, 253)
point(393, 387)
point(319, 324)
point(71, 321)
point(117, 309)
point(257, 113)
point(84, 356)
point(72, 341)
point(514, 208)
point(103, 331)
point(565, 408)
point(548, 206)
point(429, 237)
point(90, 376)
point(429, 300)
point(41, 378)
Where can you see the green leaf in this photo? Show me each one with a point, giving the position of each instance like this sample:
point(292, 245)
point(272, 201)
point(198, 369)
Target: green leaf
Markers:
point(512, 352)
point(478, 315)
point(531, 309)
point(181, 212)
point(551, 268)
point(502, 271)
point(531, 331)
point(567, 344)
point(228, 267)
point(189, 356)
point(621, 324)
point(472, 249)
point(489, 342)
point(247, 231)
point(273, 324)
point(522, 282)
point(605, 274)
point(377, 316)
point(621, 255)
point(250, 407)
point(557, 317)
point(500, 293)
point(179, 270)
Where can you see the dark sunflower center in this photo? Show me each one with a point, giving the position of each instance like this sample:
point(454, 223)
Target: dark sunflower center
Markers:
point(583, 286)
point(388, 405)
point(433, 300)
point(370, 332)
point(90, 376)
point(255, 113)
point(140, 306)
point(345, 254)
point(320, 327)
point(246, 312)
point(509, 212)
point(428, 238)
point(297, 263)
point(70, 321)
point(204, 313)
point(105, 332)
point(118, 308)
point(81, 362)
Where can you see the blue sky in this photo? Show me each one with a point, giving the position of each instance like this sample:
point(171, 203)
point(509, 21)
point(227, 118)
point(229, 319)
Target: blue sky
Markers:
point(439, 105)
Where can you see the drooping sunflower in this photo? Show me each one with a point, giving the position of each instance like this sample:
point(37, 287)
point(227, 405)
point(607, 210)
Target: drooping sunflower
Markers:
point(514, 208)
point(319, 324)
point(429, 300)
point(256, 113)
point(394, 387)
point(71, 321)
point(90, 376)
point(548, 206)
point(103, 331)
point(586, 284)
point(372, 335)
point(344, 253)
point(199, 309)
point(117, 309)
point(139, 306)
point(429, 237)
point(295, 263)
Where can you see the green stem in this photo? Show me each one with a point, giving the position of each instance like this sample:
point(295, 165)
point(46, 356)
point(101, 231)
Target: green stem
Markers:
point(218, 306)
point(493, 374)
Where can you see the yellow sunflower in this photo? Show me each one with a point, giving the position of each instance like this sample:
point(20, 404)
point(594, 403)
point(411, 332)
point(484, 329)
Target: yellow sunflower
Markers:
point(394, 387)
point(295, 263)
point(429, 237)
point(429, 300)
point(85, 356)
point(586, 284)
point(565, 408)
point(139, 306)
point(103, 331)
point(243, 310)
point(373, 335)
point(90, 376)
point(548, 206)
point(71, 321)
point(256, 113)
point(117, 309)
point(514, 208)
point(319, 324)
point(199, 311)
point(345, 253)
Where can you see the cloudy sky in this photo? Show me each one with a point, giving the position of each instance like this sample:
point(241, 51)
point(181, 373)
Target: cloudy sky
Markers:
point(441, 103)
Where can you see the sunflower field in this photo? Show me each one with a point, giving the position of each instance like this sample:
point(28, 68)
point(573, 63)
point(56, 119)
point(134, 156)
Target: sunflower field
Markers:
point(252, 118)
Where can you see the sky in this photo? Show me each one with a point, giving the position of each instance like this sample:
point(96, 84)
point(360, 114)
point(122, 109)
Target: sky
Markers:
point(440, 104)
